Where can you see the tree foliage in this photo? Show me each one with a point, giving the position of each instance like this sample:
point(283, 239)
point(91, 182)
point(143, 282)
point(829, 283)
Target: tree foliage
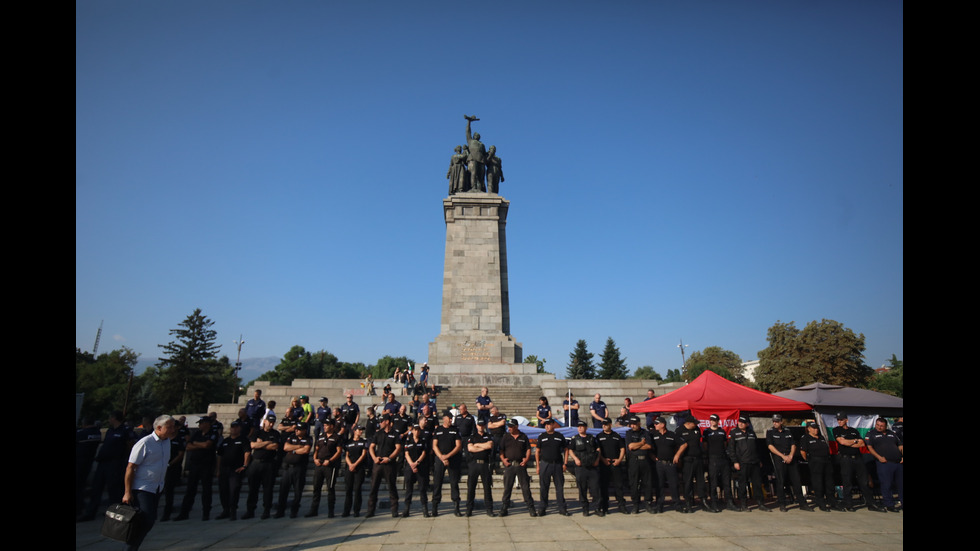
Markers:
point(714, 358)
point(611, 364)
point(298, 363)
point(580, 365)
point(103, 380)
point(891, 381)
point(539, 362)
point(386, 366)
point(824, 351)
point(647, 372)
point(190, 375)
point(673, 376)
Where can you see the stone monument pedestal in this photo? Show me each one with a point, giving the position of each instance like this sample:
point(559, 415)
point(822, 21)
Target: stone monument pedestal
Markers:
point(475, 334)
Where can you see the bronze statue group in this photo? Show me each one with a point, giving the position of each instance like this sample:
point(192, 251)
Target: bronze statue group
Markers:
point(474, 168)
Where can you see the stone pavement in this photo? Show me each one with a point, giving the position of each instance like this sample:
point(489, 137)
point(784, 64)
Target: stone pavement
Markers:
point(796, 530)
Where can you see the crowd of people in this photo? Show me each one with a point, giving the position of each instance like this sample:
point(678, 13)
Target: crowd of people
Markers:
point(710, 469)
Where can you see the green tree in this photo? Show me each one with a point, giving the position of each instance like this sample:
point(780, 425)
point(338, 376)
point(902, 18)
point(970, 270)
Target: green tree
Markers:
point(190, 374)
point(532, 359)
point(611, 365)
point(824, 351)
point(386, 366)
point(104, 380)
point(891, 381)
point(580, 365)
point(647, 372)
point(714, 358)
point(673, 376)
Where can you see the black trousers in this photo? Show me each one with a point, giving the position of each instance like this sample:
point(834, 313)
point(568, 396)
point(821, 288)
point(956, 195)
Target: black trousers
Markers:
point(202, 474)
point(411, 479)
point(552, 473)
point(587, 478)
point(720, 473)
point(293, 478)
point(641, 479)
point(261, 476)
point(610, 475)
point(354, 482)
point(692, 475)
point(822, 481)
point(324, 474)
point(439, 473)
point(851, 467)
point(385, 472)
point(229, 488)
point(479, 471)
point(667, 476)
point(750, 472)
point(515, 471)
point(787, 473)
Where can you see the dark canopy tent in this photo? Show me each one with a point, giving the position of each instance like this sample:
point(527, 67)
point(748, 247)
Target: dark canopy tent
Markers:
point(711, 393)
point(833, 398)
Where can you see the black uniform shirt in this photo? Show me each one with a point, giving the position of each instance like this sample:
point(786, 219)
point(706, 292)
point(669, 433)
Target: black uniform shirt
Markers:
point(264, 455)
point(385, 443)
point(415, 448)
point(741, 446)
point(552, 447)
point(202, 456)
point(610, 444)
point(515, 449)
point(664, 445)
point(232, 452)
point(815, 447)
point(849, 433)
point(586, 449)
point(715, 441)
point(885, 444)
point(465, 425)
point(691, 437)
point(782, 439)
point(326, 446)
point(294, 457)
point(634, 436)
point(477, 438)
point(355, 449)
point(446, 439)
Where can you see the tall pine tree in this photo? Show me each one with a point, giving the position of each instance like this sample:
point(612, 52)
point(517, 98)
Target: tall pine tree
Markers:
point(612, 366)
point(580, 365)
point(191, 375)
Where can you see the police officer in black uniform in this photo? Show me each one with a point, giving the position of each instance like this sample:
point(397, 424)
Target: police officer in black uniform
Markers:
point(715, 441)
point(295, 462)
point(583, 449)
point(692, 463)
point(175, 468)
point(326, 467)
point(447, 447)
point(515, 454)
point(849, 444)
point(667, 451)
point(745, 457)
point(817, 454)
point(550, 457)
point(638, 453)
point(416, 460)
point(233, 456)
point(262, 467)
point(782, 451)
point(480, 446)
point(612, 456)
point(356, 461)
point(384, 450)
point(200, 451)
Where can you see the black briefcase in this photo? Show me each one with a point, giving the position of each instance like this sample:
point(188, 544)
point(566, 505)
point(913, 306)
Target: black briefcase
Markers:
point(122, 522)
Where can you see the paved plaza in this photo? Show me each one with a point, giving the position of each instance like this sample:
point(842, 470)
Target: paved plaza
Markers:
point(795, 530)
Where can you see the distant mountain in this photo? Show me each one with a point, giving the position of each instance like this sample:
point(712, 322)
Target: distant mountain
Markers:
point(251, 367)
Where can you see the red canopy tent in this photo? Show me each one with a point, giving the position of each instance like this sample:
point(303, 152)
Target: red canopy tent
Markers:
point(712, 393)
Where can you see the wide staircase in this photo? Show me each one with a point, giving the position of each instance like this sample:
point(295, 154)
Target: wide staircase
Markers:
point(511, 401)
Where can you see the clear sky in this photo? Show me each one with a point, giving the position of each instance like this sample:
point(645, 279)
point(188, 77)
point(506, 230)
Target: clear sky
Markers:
point(695, 170)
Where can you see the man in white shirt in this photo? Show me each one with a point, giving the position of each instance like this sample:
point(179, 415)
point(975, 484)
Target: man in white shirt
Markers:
point(146, 471)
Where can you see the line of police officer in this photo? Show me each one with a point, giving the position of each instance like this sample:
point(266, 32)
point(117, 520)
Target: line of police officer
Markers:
point(607, 462)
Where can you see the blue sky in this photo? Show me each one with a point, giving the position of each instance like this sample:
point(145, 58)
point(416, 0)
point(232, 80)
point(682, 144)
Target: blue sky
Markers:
point(693, 170)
